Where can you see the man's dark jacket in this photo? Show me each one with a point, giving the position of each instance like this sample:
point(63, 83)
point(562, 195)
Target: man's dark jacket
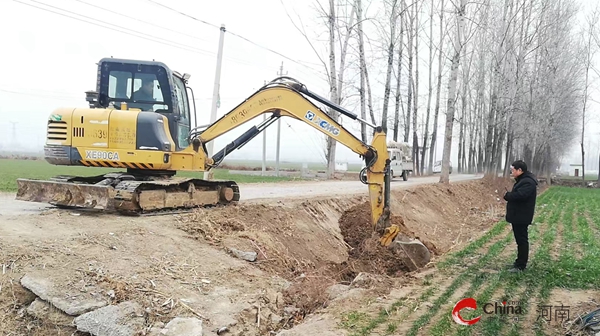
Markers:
point(521, 199)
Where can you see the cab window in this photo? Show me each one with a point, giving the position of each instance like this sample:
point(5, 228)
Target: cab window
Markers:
point(139, 90)
point(182, 99)
point(183, 125)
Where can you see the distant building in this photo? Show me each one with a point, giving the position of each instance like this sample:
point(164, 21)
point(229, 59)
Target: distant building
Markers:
point(575, 169)
point(341, 166)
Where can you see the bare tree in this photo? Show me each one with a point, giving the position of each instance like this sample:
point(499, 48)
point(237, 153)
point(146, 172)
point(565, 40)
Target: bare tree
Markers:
point(438, 89)
point(409, 99)
point(430, 88)
point(516, 76)
point(415, 144)
point(335, 75)
point(398, 101)
point(363, 69)
point(390, 61)
point(590, 51)
point(451, 100)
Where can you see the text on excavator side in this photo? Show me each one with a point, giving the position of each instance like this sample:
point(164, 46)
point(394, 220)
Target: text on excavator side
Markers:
point(311, 116)
point(95, 155)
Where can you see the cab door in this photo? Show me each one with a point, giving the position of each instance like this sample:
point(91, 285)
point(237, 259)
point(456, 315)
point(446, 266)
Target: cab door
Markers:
point(183, 121)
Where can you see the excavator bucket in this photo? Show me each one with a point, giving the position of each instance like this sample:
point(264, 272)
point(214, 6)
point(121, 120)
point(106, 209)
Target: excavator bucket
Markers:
point(412, 251)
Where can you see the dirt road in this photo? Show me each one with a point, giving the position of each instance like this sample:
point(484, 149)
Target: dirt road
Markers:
point(255, 191)
point(331, 188)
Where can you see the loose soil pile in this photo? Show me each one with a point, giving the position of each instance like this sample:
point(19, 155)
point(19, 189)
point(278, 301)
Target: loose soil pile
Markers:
point(367, 254)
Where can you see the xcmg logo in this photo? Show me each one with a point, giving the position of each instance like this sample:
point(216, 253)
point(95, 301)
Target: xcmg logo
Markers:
point(310, 115)
point(503, 308)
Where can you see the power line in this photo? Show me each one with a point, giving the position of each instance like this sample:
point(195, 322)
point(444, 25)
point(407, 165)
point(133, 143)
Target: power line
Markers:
point(128, 32)
point(64, 98)
point(184, 14)
point(146, 22)
point(234, 34)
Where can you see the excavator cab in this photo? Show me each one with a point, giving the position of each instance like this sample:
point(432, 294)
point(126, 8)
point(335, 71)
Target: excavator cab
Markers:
point(146, 86)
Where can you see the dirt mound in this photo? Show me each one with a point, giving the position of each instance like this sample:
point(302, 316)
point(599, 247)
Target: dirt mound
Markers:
point(289, 239)
point(367, 254)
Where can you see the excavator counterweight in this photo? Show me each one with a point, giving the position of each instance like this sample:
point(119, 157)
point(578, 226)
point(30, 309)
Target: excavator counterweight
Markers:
point(139, 125)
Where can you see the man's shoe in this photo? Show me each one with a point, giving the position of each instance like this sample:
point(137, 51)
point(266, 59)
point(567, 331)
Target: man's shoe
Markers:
point(516, 270)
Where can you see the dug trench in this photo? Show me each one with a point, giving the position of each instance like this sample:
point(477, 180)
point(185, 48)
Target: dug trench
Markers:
point(257, 268)
point(326, 248)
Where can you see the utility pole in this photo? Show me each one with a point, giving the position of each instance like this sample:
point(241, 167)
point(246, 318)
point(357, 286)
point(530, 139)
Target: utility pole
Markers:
point(264, 157)
point(14, 135)
point(215, 98)
point(278, 130)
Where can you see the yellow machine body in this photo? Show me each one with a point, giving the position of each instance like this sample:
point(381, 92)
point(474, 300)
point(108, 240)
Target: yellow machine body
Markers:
point(108, 138)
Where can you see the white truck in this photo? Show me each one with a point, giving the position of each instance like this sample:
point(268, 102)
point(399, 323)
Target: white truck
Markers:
point(400, 154)
point(437, 167)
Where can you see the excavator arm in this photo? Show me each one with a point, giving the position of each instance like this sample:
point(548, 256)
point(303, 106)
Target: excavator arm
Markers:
point(286, 97)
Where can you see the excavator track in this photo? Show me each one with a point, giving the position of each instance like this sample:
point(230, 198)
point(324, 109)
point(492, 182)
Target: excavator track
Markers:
point(128, 194)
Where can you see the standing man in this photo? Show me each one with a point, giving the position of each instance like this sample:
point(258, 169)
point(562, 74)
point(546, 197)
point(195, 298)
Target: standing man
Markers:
point(520, 208)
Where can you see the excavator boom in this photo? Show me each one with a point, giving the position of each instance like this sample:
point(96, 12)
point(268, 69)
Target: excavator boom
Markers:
point(285, 96)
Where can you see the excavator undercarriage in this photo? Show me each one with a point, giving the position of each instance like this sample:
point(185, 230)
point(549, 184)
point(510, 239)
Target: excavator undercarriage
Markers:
point(129, 193)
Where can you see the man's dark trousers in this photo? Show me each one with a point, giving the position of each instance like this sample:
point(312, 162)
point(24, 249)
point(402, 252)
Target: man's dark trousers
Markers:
point(522, 238)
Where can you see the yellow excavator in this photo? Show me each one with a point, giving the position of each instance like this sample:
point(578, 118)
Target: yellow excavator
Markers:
point(139, 119)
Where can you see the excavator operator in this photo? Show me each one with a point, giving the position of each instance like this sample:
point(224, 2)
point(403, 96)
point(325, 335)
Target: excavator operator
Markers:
point(144, 95)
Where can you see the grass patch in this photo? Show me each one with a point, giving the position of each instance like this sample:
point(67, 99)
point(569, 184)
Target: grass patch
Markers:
point(539, 261)
point(39, 169)
point(457, 257)
point(361, 324)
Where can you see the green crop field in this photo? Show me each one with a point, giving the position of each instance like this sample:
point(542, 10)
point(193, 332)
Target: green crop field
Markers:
point(564, 256)
point(11, 169)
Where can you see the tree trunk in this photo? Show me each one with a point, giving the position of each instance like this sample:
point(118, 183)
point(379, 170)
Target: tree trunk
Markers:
point(363, 69)
point(416, 95)
point(398, 92)
point(410, 80)
point(445, 175)
point(430, 93)
point(330, 154)
point(438, 90)
point(388, 75)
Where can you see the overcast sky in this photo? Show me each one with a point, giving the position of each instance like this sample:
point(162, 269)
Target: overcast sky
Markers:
point(49, 61)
